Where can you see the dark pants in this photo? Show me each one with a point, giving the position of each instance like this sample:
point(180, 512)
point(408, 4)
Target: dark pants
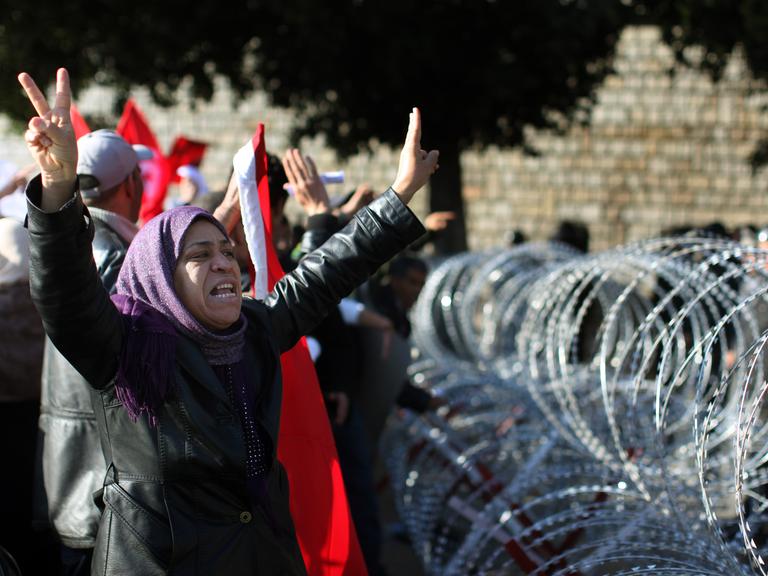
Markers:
point(357, 470)
point(76, 561)
point(35, 552)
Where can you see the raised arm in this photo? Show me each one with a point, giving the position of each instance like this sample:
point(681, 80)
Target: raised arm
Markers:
point(373, 236)
point(76, 310)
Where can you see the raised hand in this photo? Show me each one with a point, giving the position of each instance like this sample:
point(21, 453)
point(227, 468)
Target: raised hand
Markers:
point(436, 221)
point(19, 180)
point(51, 140)
point(416, 165)
point(303, 176)
point(362, 197)
point(228, 212)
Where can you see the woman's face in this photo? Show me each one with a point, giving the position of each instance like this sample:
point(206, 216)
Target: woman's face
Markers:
point(207, 277)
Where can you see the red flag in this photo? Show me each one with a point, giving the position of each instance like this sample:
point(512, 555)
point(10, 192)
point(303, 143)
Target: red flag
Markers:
point(306, 448)
point(185, 151)
point(133, 126)
point(79, 125)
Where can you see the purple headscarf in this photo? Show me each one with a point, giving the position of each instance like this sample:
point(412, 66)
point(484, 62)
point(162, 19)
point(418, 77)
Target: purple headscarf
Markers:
point(153, 313)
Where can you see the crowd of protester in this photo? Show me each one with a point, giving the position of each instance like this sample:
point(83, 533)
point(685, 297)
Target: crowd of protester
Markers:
point(140, 317)
point(86, 404)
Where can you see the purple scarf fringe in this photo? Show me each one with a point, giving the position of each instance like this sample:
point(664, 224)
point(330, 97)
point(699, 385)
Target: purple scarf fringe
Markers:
point(145, 374)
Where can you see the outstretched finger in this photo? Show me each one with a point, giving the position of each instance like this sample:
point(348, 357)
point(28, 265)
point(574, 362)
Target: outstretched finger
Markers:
point(413, 138)
point(311, 167)
point(63, 91)
point(289, 168)
point(300, 165)
point(33, 93)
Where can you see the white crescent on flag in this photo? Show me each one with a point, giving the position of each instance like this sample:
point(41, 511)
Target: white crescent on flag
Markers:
point(253, 224)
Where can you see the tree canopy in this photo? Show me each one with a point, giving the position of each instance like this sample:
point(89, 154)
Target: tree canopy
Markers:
point(481, 70)
point(718, 27)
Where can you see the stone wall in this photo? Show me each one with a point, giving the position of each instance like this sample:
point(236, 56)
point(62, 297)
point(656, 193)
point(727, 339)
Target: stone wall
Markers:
point(660, 150)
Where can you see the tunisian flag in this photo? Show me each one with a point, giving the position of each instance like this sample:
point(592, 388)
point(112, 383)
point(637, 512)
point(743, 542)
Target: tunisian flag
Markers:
point(305, 445)
point(133, 126)
point(79, 125)
point(184, 151)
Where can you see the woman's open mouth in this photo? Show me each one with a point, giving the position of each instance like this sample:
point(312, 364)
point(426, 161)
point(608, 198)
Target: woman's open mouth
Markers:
point(224, 290)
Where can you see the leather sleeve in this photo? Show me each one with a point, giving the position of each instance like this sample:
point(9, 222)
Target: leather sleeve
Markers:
point(375, 234)
point(77, 313)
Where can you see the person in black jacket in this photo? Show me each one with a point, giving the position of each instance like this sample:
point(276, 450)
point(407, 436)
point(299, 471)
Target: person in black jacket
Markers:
point(185, 373)
point(393, 295)
point(338, 363)
point(339, 367)
point(111, 187)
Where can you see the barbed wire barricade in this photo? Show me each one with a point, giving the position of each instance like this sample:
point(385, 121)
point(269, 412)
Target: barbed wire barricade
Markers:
point(605, 413)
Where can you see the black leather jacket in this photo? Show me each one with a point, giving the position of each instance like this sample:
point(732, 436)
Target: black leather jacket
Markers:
point(68, 426)
point(175, 499)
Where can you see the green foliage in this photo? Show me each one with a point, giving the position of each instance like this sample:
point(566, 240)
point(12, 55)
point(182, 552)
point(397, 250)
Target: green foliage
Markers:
point(481, 70)
point(717, 26)
point(142, 43)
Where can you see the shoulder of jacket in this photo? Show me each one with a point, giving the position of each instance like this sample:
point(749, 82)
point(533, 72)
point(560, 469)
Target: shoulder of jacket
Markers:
point(107, 239)
point(254, 309)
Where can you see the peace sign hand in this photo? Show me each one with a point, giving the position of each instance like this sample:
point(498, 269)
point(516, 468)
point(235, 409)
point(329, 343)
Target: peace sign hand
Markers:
point(51, 140)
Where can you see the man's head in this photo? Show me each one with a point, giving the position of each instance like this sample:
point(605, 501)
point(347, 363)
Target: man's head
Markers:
point(574, 234)
point(407, 275)
point(109, 172)
point(277, 180)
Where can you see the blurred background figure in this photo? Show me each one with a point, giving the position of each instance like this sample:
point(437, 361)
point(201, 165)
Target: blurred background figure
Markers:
point(515, 238)
point(12, 183)
point(392, 294)
point(21, 358)
point(573, 234)
point(395, 293)
point(192, 186)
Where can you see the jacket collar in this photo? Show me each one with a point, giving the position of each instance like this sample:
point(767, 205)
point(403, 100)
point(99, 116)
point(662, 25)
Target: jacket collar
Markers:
point(121, 225)
point(190, 358)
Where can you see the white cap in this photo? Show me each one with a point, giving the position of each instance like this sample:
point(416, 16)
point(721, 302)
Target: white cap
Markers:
point(105, 159)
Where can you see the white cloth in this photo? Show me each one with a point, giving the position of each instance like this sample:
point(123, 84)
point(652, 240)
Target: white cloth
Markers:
point(14, 252)
point(250, 209)
point(14, 205)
